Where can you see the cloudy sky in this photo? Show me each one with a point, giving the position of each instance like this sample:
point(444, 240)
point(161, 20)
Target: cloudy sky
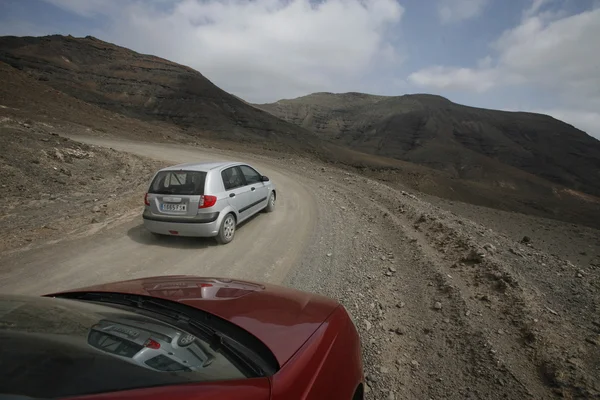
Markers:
point(531, 55)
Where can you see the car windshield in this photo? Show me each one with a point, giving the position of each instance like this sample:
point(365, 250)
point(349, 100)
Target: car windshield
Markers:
point(61, 347)
point(178, 182)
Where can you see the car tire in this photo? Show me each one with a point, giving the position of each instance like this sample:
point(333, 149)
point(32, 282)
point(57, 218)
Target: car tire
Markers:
point(271, 203)
point(227, 229)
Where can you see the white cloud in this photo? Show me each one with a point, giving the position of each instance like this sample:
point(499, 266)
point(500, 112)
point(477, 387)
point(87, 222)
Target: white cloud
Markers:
point(546, 52)
point(544, 10)
point(451, 11)
point(535, 7)
point(261, 50)
point(485, 62)
point(563, 55)
point(444, 78)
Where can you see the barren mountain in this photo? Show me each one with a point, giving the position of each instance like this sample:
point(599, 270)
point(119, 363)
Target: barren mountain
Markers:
point(144, 87)
point(104, 87)
point(99, 88)
point(467, 142)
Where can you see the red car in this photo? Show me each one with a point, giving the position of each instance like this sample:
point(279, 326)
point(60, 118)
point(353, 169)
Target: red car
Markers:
point(178, 337)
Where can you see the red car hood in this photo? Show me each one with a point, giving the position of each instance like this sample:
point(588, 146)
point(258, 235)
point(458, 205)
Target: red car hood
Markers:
point(282, 318)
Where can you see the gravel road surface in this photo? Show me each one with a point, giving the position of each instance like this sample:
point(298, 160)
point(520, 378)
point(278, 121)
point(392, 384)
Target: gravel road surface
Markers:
point(447, 307)
point(265, 248)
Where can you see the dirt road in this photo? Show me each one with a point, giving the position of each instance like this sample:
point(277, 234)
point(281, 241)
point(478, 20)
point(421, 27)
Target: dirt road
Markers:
point(265, 248)
point(446, 307)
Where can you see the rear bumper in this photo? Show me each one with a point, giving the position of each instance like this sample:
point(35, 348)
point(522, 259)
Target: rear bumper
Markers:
point(198, 219)
point(182, 227)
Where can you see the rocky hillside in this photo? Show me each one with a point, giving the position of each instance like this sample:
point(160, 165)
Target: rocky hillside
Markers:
point(144, 87)
point(467, 142)
point(89, 87)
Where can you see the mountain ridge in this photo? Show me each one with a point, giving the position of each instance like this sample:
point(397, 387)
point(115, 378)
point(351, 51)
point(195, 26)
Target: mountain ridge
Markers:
point(91, 87)
point(141, 86)
point(433, 131)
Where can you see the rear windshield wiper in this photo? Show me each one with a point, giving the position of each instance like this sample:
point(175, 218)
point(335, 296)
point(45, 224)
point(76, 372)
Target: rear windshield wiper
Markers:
point(216, 340)
point(164, 191)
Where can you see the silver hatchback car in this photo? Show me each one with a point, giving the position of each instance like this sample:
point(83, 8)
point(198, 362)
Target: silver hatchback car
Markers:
point(206, 199)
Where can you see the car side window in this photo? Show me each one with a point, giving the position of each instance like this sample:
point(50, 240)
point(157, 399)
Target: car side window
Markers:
point(232, 178)
point(250, 174)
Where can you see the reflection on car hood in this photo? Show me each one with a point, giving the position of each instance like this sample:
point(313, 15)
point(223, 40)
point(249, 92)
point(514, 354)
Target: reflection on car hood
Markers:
point(69, 348)
point(282, 318)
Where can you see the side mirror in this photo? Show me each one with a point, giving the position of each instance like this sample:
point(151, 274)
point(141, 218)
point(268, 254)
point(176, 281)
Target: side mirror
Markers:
point(264, 178)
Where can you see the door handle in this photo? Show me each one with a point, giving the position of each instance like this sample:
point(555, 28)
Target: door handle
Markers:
point(253, 189)
point(232, 195)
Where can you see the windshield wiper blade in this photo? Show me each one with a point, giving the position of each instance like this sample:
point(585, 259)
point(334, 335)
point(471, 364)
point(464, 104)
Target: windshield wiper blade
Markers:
point(216, 340)
point(219, 342)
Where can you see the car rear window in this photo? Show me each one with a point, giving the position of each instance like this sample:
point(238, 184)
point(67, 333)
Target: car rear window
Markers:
point(113, 344)
point(178, 182)
point(164, 363)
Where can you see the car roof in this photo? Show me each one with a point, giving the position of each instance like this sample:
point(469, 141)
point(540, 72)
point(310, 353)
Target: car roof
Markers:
point(202, 166)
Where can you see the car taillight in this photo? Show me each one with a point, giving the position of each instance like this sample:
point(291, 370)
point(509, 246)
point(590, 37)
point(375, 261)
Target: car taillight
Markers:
point(207, 201)
point(146, 202)
point(152, 344)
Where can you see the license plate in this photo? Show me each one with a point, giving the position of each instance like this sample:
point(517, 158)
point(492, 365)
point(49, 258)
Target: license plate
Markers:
point(125, 331)
point(174, 207)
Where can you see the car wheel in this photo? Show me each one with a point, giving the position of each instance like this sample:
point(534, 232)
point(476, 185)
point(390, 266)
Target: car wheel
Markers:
point(186, 340)
point(227, 230)
point(271, 204)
